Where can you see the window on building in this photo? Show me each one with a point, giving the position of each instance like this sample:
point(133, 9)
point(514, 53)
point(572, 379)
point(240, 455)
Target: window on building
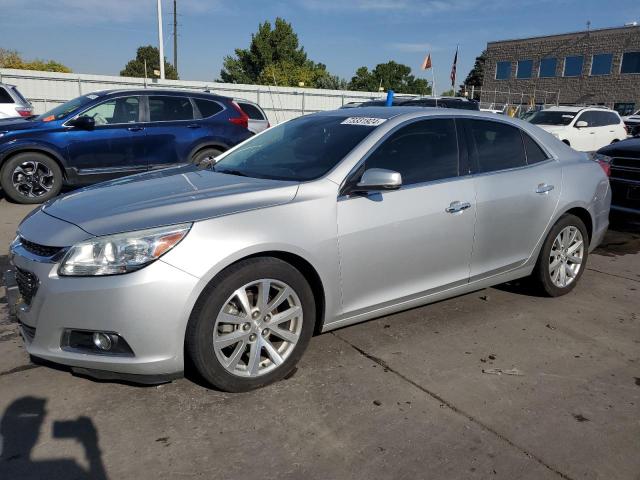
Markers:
point(525, 69)
point(422, 152)
point(624, 108)
point(601, 64)
point(630, 62)
point(548, 67)
point(573, 66)
point(498, 146)
point(503, 70)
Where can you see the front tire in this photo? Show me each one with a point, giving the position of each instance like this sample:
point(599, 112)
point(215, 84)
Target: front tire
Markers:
point(563, 257)
point(251, 325)
point(31, 177)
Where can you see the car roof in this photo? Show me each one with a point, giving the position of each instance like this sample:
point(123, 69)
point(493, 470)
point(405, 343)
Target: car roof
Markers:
point(388, 113)
point(157, 91)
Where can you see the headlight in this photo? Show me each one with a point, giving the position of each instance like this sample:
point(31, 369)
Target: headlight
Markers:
point(121, 253)
point(599, 157)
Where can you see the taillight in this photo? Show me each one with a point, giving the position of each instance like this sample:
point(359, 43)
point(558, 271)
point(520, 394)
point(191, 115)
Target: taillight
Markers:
point(242, 120)
point(606, 166)
point(24, 111)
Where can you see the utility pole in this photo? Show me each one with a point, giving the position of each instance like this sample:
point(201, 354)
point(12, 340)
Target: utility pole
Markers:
point(160, 39)
point(175, 36)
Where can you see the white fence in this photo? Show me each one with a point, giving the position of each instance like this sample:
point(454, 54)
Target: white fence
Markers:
point(47, 89)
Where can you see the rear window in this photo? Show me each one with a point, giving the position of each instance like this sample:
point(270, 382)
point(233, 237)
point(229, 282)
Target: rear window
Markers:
point(498, 146)
point(167, 109)
point(253, 112)
point(535, 154)
point(208, 108)
point(5, 97)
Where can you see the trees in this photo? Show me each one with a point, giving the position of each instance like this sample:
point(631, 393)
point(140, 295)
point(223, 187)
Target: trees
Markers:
point(476, 75)
point(12, 59)
point(135, 67)
point(390, 76)
point(275, 56)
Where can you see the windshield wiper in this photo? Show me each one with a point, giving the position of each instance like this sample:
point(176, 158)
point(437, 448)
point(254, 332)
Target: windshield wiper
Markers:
point(232, 172)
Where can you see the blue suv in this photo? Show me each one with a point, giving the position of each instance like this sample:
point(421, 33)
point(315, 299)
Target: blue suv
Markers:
point(109, 134)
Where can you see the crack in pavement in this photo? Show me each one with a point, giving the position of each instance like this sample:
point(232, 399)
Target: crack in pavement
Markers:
point(614, 275)
point(21, 368)
point(452, 407)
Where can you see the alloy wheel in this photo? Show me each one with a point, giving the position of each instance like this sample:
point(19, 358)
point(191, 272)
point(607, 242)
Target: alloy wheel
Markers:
point(32, 179)
point(257, 328)
point(567, 254)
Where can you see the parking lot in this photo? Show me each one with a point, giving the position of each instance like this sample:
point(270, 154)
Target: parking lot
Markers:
point(405, 396)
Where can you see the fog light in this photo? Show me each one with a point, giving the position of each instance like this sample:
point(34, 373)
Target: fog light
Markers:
point(102, 341)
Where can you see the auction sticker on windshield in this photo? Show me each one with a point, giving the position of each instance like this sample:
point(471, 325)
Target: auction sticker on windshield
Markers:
point(367, 121)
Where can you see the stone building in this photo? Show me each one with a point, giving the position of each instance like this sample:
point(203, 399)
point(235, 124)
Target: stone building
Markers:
point(593, 67)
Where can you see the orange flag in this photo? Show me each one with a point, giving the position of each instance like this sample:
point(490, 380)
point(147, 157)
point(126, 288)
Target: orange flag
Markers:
point(427, 62)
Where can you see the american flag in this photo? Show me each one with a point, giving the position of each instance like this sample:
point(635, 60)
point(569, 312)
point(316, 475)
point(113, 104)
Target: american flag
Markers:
point(453, 69)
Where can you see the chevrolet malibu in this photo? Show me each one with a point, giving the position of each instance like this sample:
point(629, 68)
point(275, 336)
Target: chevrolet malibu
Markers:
point(320, 222)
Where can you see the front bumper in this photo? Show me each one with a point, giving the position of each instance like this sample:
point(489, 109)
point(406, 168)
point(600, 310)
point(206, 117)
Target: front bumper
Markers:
point(149, 308)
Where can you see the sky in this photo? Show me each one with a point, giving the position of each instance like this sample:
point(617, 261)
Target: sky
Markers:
point(100, 36)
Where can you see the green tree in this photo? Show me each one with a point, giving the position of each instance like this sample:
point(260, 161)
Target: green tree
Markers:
point(449, 93)
point(275, 56)
point(476, 75)
point(12, 59)
point(135, 67)
point(390, 76)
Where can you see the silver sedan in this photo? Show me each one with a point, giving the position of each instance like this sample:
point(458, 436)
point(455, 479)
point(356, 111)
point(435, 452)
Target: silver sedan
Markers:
point(321, 222)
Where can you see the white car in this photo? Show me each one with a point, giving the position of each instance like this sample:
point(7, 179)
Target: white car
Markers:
point(12, 103)
point(586, 129)
point(257, 118)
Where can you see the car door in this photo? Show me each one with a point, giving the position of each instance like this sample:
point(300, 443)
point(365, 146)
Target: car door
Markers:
point(115, 146)
point(517, 192)
point(172, 130)
point(585, 139)
point(414, 240)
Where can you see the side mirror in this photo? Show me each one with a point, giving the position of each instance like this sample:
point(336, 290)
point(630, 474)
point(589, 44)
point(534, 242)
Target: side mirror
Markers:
point(582, 124)
point(379, 179)
point(83, 123)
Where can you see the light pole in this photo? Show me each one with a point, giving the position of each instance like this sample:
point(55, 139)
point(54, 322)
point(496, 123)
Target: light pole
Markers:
point(160, 39)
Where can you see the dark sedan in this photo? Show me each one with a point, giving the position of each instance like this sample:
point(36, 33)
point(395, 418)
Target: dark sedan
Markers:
point(622, 160)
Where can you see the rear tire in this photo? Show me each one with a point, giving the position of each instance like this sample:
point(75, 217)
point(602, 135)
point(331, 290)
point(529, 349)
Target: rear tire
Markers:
point(563, 257)
point(236, 334)
point(205, 157)
point(31, 177)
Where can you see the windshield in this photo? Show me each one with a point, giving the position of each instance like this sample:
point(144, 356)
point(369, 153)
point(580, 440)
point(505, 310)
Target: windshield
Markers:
point(302, 149)
point(65, 109)
point(546, 117)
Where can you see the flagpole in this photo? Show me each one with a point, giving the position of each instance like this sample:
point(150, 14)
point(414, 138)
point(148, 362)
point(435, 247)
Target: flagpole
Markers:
point(433, 83)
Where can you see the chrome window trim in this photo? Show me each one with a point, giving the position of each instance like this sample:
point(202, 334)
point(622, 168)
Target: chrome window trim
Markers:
point(105, 101)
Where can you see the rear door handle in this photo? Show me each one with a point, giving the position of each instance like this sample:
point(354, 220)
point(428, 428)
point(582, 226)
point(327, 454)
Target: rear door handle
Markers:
point(193, 125)
point(457, 207)
point(544, 188)
point(135, 129)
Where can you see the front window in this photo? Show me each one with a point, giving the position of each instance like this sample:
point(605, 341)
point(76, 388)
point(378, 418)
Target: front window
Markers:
point(525, 69)
point(300, 150)
point(601, 64)
point(114, 111)
point(61, 111)
point(546, 117)
point(573, 66)
point(503, 70)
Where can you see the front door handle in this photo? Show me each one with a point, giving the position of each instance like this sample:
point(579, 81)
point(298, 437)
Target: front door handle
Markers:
point(135, 129)
point(544, 188)
point(457, 207)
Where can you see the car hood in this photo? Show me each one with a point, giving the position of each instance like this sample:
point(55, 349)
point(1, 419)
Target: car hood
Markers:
point(626, 148)
point(166, 197)
point(12, 124)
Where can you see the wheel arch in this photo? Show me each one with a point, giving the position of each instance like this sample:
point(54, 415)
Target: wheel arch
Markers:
point(213, 144)
point(36, 149)
point(584, 215)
